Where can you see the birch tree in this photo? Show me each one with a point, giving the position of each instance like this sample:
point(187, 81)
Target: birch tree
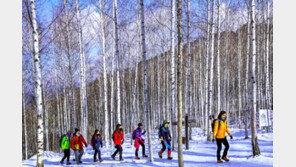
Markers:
point(218, 60)
point(115, 34)
point(38, 93)
point(173, 86)
point(206, 116)
point(179, 81)
point(211, 69)
point(83, 102)
point(145, 80)
point(70, 65)
point(255, 146)
point(106, 130)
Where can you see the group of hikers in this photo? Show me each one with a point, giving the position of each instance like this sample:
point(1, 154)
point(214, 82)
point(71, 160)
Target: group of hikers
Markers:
point(219, 127)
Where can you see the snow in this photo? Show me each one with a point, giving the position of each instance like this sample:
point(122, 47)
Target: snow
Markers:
point(201, 153)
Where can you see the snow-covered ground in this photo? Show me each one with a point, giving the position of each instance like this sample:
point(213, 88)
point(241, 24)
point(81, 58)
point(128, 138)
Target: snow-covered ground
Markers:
point(201, 153)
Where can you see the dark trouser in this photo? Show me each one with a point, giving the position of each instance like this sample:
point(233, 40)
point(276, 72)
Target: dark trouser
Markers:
point(219, 145)
point(97, 151)
point(66, 155)
point(118, 149)
point(143, 148)
point(78, 155)
point(164, 147)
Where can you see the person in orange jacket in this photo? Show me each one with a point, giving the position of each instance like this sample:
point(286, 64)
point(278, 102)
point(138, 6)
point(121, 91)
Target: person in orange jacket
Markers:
point(118, 138)
point(77, 145)
point(220, 128)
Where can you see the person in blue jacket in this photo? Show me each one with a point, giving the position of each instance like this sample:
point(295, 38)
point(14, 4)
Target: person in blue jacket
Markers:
point(97, 143)
point(165, 137)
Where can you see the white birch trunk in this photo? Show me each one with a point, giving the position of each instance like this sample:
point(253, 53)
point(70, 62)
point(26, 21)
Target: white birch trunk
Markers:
point(239, 79)
point(211, 69)
point(115, 34)
point(218, 61)
point(38, 93)
point(255, 146)
point(188, 106)
point(46, 118)
point(247, 76)
point(112, 97)
point(70, 66)
point(268, 94)
point(179, 81)
point(173, 76)
point(83, 101)
point(145, 80)
point(206, 116)
point(25, 121)
point(106, 122)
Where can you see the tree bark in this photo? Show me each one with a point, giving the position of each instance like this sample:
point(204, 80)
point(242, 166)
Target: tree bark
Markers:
point(173, 86)
point(115, 33)
point(255, 146)
point(106, 122)
point(38, 93)
point(179, 81)
point(145, 80)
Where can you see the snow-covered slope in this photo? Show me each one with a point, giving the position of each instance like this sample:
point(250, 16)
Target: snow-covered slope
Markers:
point(201, 153)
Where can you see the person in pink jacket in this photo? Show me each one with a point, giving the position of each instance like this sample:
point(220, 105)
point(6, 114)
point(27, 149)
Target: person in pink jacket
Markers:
point(139, 140)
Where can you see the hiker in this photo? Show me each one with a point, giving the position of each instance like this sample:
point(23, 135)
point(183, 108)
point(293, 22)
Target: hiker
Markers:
point(220, 127)
point(96, 142)
point(77, 145)
point(137, 136)
point(165, 136)
point(118, 138)
point(65, 145)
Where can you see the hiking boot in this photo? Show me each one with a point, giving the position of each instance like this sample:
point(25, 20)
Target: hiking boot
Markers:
point(121, 159)
point(219, 161)
point(61, 162)
point(160, 154)
point(137, 157)
point(100, 160)
point(145, 156)
point(113, 157)
point(68, 163)
point(225, 159)
point(170, 158)
point(95, 160)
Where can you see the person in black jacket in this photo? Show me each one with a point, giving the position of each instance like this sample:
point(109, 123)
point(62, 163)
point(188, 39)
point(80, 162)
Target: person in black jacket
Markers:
point(165, 136)
point(96, 143)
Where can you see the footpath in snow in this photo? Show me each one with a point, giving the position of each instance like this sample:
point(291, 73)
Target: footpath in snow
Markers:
point(200, 154)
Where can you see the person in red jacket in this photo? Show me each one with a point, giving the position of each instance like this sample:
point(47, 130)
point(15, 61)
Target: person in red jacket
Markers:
point(77, 145)
point(118, 138)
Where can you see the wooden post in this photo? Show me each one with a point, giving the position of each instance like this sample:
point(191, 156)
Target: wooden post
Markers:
point(186, 132)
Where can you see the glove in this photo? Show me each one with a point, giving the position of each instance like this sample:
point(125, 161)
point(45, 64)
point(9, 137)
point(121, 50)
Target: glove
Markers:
point(213, 140)
point(231, 137)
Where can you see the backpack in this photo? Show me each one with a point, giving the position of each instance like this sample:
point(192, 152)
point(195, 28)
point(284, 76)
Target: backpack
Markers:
point(134, 134)
point(159, 131)
point(213, 124)
point(61, 139)
point(91, 141)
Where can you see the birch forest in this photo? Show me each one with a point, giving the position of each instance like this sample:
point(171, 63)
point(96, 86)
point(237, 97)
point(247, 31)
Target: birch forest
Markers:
point(91, 64)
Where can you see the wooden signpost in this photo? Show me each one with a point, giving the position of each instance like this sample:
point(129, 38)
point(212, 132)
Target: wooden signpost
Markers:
point(187, 122)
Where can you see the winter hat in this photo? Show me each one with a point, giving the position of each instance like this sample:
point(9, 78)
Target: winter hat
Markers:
point(165, 121)
point(76, 130)
point(140, 124)
point(69, 133)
